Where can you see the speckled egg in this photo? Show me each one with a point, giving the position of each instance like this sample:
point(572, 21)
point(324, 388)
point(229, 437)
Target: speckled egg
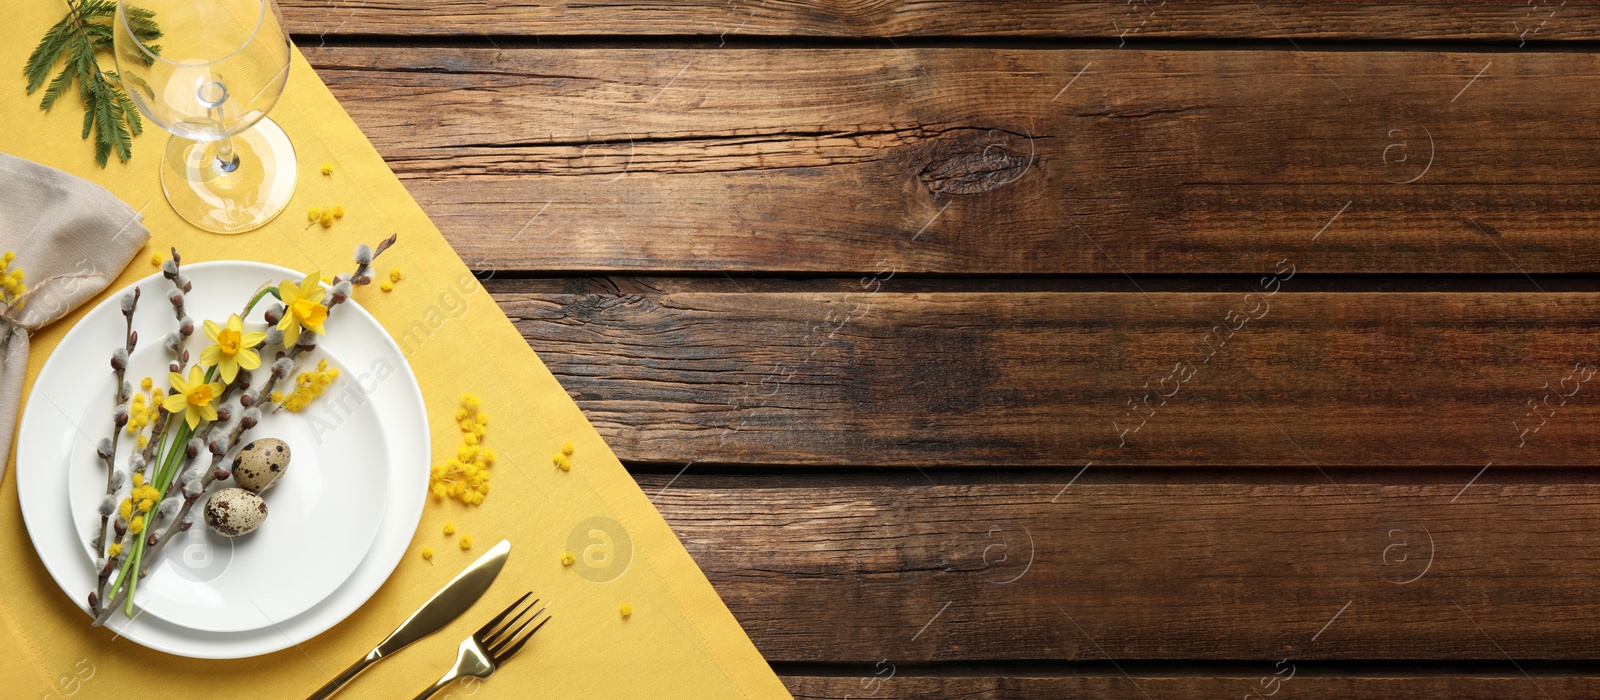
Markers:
point(235, 512)
point(258, 466)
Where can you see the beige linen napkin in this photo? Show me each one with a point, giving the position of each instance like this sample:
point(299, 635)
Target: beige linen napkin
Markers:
point(72, 238)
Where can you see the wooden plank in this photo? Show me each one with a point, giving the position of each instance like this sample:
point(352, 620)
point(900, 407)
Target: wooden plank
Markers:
point(1131, 565)
point(1540, 21)
point(1062, 379)
point(1117, 687)
point(994, 161)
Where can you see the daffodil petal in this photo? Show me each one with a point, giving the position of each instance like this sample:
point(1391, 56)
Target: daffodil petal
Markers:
point(248, 359)
point(251, 339)
point(311, 282)
point(177, 381)
point(211, 355)
point(197, 376)
point(235, 323)
point(291, 330)
point(287, 292)
point(229, 369)
point(192, 416)
point(212, 330)
point(174, 403)
point(217, 388)
point(208, 412)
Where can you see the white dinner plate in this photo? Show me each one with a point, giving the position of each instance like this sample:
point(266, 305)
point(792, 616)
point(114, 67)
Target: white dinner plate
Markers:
point(322, 514)
point(290, 580)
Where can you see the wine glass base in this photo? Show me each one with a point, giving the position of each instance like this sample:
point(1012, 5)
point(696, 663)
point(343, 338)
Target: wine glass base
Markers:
point(257, 189)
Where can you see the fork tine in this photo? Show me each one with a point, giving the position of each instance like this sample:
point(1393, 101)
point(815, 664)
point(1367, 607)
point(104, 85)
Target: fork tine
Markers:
point(505, 639)
point(502, 657)
point(484, 630)
point(500, 633)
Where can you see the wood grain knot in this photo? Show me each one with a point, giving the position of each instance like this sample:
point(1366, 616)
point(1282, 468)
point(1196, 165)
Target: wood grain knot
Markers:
point(974, 161)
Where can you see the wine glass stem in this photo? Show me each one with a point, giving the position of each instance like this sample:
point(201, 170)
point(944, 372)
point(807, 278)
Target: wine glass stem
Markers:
point(226, 160)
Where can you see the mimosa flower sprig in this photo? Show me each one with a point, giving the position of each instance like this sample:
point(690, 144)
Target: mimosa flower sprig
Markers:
point(170, 475)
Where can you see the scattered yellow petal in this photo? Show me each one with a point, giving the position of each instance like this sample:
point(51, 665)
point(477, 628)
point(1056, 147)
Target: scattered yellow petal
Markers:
point(567, 559)
point(567, 449)
point(327, 168)
point(562, 462)
point(156, 259)
point(326, 220)
point(427, 553)
point(466, 541)
point(338, 211)
point(394, 274)
point(626, 610)
point(386, 286)
point(449, 528)
point(313, 213)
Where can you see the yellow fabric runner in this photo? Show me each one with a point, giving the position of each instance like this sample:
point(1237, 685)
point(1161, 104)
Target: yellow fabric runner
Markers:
point(681, 640)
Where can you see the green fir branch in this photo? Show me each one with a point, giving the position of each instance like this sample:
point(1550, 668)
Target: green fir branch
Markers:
point(75, 42)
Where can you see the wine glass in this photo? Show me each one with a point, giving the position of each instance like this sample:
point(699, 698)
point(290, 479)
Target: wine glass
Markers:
point(219, 66)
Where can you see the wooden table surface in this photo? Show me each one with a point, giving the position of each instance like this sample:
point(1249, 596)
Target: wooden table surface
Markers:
point(1045, 349)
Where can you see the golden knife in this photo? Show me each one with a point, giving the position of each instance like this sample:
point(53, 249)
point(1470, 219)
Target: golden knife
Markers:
point(452, 600)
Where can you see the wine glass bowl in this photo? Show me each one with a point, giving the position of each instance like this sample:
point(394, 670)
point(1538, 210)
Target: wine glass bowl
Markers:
point(219, 67)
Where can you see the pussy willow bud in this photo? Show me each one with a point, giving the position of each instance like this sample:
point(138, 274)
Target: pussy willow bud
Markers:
point(251, 417)
point(127, 389)
point(220, 475)
point(186, 524)
point(126, 302)
point(120, 526)
point(274, 336)
point(192, 488)
point(120, 416)
point(337, 298)
point(94, 600)
point(186, 357)
point(173, 366)
point(224, 413)
point(169, 269)
point(119, 359)
point(273, 314)
point(176, 297)
point(247, 400)
point(150, 542)
point(118, 477)
point(136, 463)
point(193, 448)
point(186, 326)
point(108, 505)
point(307, 341)
point(242, 380)
point(183, 281)
point(103, 448)
point(363, 255)
point(282, 367)
point(133, 340)
point(363, 279)
point(173, 341)
point(168, 507)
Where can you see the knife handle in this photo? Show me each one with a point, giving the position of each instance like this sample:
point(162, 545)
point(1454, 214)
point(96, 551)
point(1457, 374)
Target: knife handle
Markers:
point(333, 686)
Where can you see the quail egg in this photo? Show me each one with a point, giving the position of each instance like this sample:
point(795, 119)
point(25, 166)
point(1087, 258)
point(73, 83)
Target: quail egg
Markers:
point(233, 512)
point(258, 466)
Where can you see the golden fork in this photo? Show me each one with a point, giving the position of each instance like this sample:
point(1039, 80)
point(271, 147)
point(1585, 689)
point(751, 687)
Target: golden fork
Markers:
point(481, 654)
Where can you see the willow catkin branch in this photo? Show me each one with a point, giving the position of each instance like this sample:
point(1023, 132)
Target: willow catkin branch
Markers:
point(118, 420)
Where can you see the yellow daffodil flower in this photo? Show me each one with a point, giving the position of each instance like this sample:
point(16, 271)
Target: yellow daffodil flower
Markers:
point(194, 396)
point(232, 348)
point(302, 308)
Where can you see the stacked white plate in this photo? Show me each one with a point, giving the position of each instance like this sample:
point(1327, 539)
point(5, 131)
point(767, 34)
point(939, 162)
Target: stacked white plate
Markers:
point(339, 519)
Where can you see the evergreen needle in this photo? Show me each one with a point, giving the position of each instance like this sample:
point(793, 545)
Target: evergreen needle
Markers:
point(75, 43)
